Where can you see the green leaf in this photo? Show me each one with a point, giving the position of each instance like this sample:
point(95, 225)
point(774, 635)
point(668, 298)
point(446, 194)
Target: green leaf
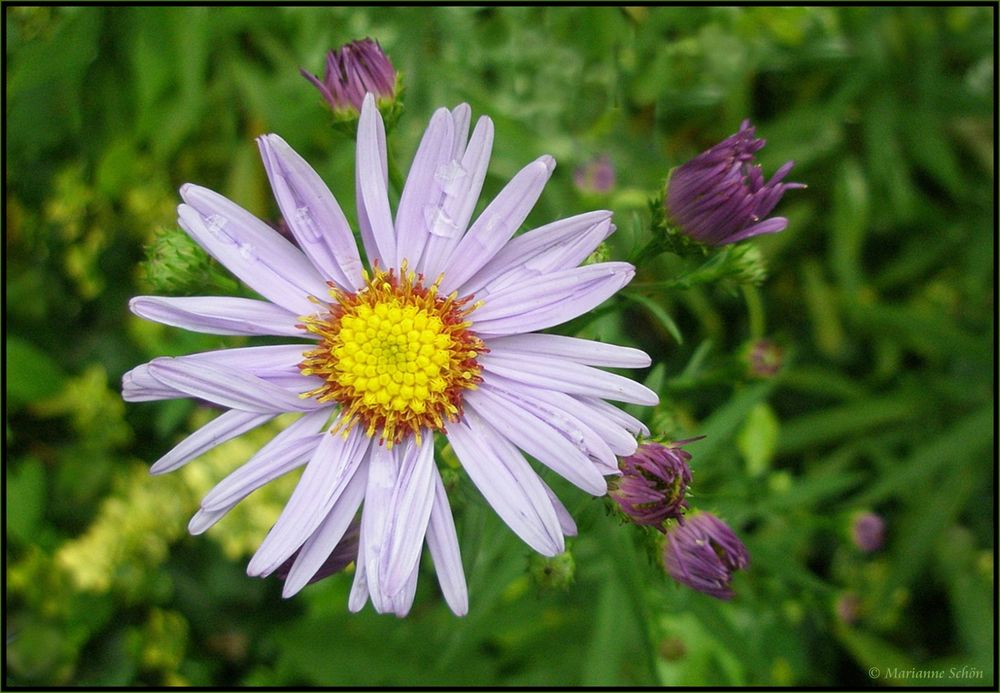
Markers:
point(838, 423)
point(722, 425)
point(758, 438)
point(603, 665)
point(659, 313)
point(25, 499)
point(963, 442)
point(874, 654)
point(849, 224)
point(31, 373)
point(970, 594)
point(924, 330)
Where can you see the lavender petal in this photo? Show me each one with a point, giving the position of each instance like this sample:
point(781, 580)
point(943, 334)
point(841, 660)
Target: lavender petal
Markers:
point(292, 447)
point(422, 195)
point(507, 482)
point(585, 351)
point(559, 411)
point(224, 427)
point(409, 512)
point(550, 300)
point(374, 216)
point(461, 201)
point(566, 522)
point(227, 387)
point(537, 438)
point(383, 471)
point(326, 476)
point(442, 541)
point(250, 249)
point(318, 547)
point(312, 213)
point(359, 587)
point(572, 239)
point(218, 315)
point(497, 223)
point(139, 386)
point(617, 438)
point(571, 378)
point(623, 419)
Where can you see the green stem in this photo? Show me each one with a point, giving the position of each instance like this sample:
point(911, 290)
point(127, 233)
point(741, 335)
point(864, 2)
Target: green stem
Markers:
point(712, 269)
point(755, 311)
point(623, 561)
point(652, 248)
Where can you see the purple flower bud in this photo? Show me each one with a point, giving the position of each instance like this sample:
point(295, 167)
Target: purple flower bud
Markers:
point(720, 196)
point(653, 484)
point(353, 70)
point(595, 176)
point(868, 532)
point(703, 553)
point(763, 359)
point(848, 608)
point(343, 553)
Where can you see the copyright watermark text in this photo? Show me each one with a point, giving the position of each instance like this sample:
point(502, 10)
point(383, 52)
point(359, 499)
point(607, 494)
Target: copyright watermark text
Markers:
point(949, 674)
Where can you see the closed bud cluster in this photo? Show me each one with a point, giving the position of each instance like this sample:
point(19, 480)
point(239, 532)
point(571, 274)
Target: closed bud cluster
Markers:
point(552, 572)
point(748, 265)
point(601, 254)
point(848, 608)
point(177, 265)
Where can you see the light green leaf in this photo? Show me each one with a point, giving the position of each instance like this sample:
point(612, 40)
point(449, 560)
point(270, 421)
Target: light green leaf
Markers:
point(31, 373)
point(758, 438)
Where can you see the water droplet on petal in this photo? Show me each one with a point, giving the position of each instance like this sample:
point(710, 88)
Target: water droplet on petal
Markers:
point(248, 251)
point(307, 224)
point(568, 429)
point(449, 176)
point(438, 222)
point(216, 224)
point(492, 223)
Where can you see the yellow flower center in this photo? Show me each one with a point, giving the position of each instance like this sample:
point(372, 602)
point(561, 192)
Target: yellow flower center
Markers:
point(394, 355)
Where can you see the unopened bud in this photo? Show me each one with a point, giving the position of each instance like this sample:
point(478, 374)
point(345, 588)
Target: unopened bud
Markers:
point(653, 484)
point(178, 266)
point(868, 532)
point(595, 177)
point(703, 554)
point(353, 70)
point(720, 197)
point(554, 572)
point(763, 359)
point(748, 265)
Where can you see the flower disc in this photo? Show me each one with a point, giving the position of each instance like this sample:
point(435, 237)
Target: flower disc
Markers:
point(394, 355)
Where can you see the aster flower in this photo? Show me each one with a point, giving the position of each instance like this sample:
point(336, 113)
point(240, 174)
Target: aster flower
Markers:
point(703, 553)
point(436, 338)
point(720, 196)
point(352, 71)
point(653, 484)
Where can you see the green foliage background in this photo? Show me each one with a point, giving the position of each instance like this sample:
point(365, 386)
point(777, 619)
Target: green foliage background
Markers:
point(881, 296)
